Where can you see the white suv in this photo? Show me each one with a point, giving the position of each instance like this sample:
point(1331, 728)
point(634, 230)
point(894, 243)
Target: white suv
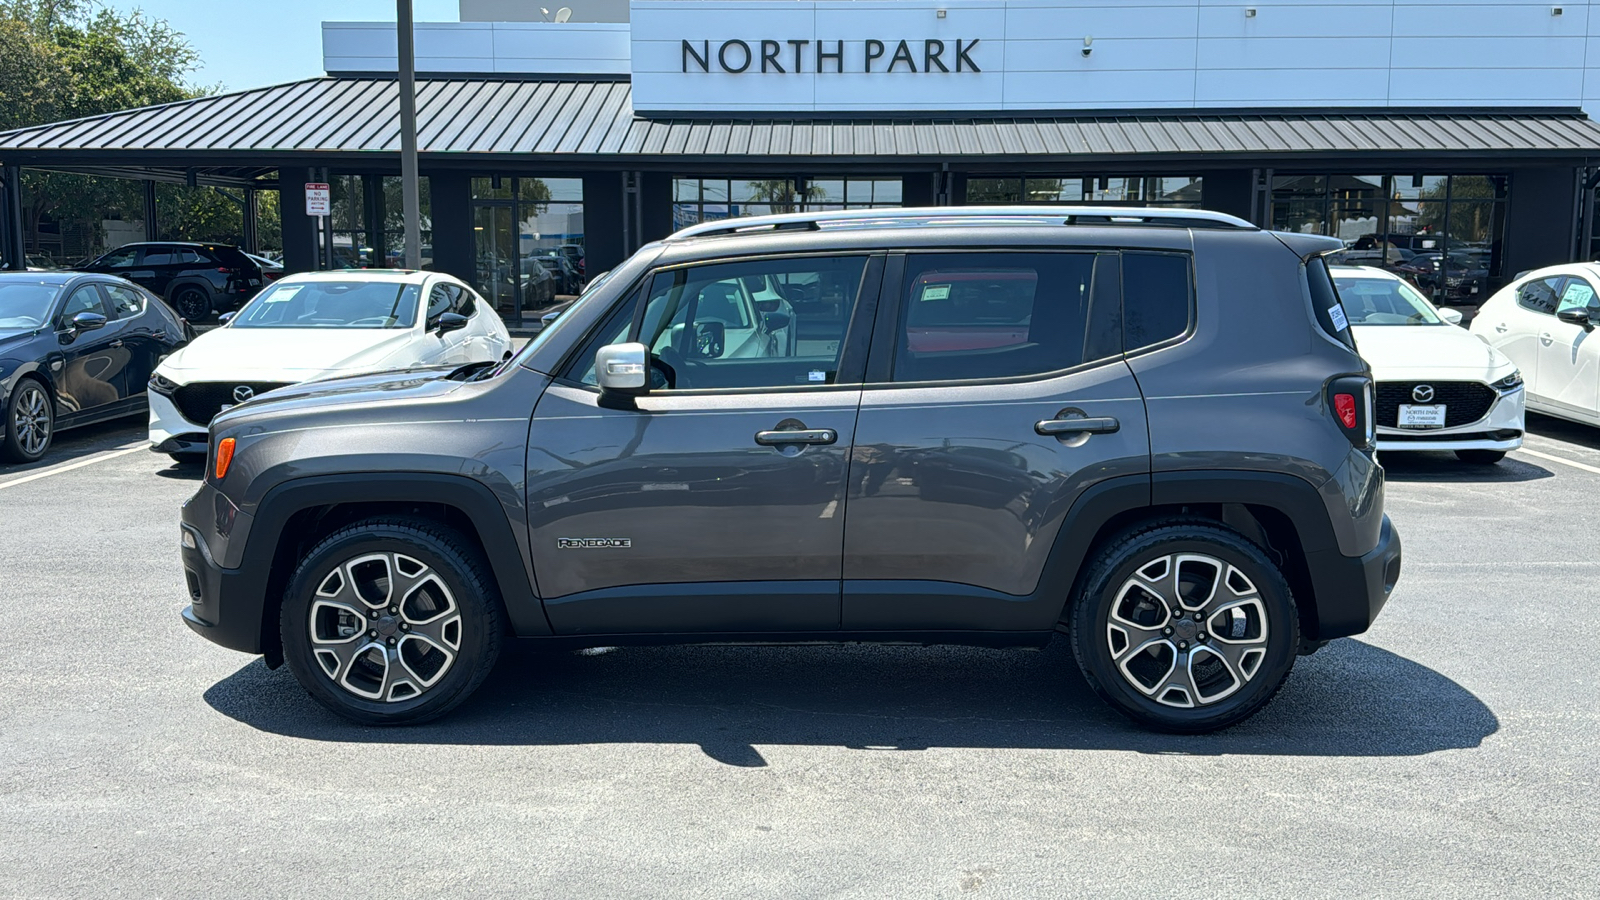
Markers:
point(1438, 387)
point(319, 325)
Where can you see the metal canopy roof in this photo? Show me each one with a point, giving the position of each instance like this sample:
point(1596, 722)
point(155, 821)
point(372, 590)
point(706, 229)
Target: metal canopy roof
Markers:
point(325, 118)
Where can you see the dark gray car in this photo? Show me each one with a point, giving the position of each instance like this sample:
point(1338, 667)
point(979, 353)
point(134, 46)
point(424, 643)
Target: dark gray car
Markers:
point(1147, 429)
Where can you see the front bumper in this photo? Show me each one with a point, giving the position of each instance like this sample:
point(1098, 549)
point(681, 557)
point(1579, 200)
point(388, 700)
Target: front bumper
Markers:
point(1352, 590)
point(216, 528)
point(1501, 428)
point(170, 432)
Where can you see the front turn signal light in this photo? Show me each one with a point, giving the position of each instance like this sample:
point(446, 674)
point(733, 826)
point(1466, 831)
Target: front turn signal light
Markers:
point(224, 457)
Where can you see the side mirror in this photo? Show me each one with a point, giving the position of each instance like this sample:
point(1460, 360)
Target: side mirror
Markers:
point(449, 322)
point(710, 339)
point(1450, 316)
point(1576, 317)
point(226, 317)
point(623, 369)
point(88, 321)
point(776, 321)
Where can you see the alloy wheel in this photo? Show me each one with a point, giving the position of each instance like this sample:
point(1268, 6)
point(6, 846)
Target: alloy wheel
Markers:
point(1187, 630)
point(384, 627)
point(30, 423)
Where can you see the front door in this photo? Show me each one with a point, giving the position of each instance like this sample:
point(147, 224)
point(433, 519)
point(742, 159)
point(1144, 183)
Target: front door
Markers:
point(1001, 396)
point(716, 502)
point(1516, 326)
point(1569, 355)
point(90, 377)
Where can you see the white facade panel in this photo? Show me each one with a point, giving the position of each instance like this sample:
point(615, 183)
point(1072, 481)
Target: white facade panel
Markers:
point(1155, 53)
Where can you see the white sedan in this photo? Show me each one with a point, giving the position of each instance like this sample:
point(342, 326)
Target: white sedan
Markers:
point(319, 325)
point(1545, 321)
point(1437, 386)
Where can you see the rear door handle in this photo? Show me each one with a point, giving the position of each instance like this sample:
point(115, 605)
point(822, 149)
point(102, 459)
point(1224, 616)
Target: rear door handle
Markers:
point(1545, 339)
point(1501, 328)
point(801, 436)
point(1058, 427)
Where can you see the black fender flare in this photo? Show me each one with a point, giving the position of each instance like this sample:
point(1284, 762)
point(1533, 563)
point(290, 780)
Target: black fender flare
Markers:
point(1329, 587)
point(261, 571)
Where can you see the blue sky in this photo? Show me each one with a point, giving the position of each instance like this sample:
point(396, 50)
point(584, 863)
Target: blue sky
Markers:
point(245, 45)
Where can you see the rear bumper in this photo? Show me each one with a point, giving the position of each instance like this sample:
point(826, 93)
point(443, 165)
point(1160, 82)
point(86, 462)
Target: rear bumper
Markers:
point(1352, 590)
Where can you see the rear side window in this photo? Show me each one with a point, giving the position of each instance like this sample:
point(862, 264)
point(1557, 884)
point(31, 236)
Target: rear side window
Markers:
point(1157, 297)
point(997, 315)
point(1325, 302)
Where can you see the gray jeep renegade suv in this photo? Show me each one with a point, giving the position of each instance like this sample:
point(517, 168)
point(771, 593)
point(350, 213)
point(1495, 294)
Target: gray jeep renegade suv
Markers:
point(1149, 430)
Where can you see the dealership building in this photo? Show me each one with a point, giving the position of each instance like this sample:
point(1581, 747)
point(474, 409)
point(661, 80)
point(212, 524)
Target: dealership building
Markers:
point(1448, 130)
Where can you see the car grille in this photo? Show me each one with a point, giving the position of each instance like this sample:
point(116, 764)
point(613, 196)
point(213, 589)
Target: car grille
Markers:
point(201, 401)
point(1465, 402)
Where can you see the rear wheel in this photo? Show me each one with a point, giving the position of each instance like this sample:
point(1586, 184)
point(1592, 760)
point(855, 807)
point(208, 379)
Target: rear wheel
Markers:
point(30, 423)
point(1184, 627)
point(389, 621)
point(1481, 457)
point(193, 303)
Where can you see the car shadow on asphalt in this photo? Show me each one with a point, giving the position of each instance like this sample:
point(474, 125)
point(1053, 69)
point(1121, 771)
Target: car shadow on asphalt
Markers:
point(76, 443)
point(1563, 430)
point(185, 470)
point(1443, 467)
point(1349, 699)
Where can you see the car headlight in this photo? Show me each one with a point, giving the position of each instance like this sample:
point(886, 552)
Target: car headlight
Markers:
point(1509, 383)
point(162, 385)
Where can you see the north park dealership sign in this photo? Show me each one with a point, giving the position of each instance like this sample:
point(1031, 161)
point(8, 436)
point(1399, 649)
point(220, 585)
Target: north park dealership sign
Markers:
point(793, 56)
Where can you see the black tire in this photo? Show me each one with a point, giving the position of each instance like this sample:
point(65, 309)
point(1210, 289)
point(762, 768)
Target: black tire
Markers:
point(29, 410)
point(1266, 659)
point(464, 573)
point(1481, 457)
point(192, 303)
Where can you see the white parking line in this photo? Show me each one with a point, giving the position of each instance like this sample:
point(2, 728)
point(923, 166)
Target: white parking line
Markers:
point(1560, 459)
point(57, 470)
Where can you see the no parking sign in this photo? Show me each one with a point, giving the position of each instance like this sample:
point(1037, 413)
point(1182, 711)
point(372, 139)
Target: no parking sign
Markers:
point(319, 198)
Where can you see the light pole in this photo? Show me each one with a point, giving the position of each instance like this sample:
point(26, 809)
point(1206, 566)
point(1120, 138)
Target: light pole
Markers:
point(410, 194)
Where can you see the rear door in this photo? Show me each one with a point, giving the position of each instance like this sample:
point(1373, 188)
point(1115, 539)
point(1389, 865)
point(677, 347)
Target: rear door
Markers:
point(716, 502)
point(997, 394)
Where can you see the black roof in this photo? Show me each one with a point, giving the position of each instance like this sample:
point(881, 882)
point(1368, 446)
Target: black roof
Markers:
point(245, 134)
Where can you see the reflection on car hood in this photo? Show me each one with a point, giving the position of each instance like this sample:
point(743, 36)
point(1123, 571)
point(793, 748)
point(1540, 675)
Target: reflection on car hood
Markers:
point(351, 390)
point(1402, 352)
point(290, 354)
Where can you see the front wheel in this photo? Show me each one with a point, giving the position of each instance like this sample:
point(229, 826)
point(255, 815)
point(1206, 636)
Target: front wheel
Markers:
point(1184, 627)
point(30, 423)
point(389, 621)
point(1481, 457)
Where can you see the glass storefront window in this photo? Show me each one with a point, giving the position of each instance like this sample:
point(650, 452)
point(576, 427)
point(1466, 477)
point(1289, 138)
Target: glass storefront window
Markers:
point(696, 200)
point(1442, 232)
point(368, 218)
point(529, 238)
point(1124, 190)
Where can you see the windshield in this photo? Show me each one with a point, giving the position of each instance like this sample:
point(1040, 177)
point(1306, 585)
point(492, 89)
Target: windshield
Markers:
point(1384, 301)
point(332, 304)
point(24, 307)
point(538, 339)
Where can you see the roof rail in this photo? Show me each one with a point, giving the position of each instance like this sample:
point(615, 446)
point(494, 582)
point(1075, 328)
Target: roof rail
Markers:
point(899, 217)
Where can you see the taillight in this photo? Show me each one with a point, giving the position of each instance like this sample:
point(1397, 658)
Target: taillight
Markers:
point(224, 457)
point(1350, 401)
point(1345, 406)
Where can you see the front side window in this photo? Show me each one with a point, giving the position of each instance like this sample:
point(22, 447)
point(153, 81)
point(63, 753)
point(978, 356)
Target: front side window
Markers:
point(1578, 294)
point(439, 302)
point(773, 323)
point(1384, 301)
point(1541, 296)
point(332, 304)
point(84, 299)
point(125, 302)
point(997, 315)
point(121, 259)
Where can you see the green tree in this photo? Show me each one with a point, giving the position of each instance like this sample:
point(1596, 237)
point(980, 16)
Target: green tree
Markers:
point(68, 59)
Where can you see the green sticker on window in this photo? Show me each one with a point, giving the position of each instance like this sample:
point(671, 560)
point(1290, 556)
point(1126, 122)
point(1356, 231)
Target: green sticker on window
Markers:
point(935, 292)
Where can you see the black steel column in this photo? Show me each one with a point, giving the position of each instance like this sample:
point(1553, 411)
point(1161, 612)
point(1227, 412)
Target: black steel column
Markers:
point(252, 208)
point(152, 226)
point(12, 246)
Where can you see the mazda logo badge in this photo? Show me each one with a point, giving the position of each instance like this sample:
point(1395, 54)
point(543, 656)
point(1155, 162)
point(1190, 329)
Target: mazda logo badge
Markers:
point(1422, 393)
point(244, 392)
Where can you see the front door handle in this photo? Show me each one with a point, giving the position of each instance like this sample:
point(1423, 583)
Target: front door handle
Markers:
point(1058, 427)
point(798, 436)
point(116, 343)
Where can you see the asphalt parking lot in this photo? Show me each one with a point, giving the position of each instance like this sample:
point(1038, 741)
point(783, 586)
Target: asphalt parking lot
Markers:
point(1454, 750)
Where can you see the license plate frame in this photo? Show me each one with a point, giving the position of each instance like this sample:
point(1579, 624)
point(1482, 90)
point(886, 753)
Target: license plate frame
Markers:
point(1417, 415)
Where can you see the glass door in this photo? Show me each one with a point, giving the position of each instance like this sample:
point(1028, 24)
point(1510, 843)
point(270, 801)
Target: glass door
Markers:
point(498, 278)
